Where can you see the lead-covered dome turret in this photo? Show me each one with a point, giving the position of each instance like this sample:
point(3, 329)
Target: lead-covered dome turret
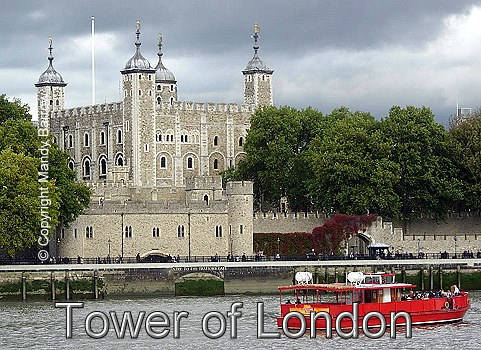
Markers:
point(50, 77)
point(137, 63)
point(256, 65)
point(162, 74)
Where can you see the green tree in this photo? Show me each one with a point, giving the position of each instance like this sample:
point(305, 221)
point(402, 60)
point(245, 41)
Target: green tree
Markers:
point(19, 181)
point(465, 133)
point(428, 181)
point(274, 159)
point(352, 173)
point(20, 203)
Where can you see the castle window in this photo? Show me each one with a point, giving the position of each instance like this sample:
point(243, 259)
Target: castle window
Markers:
point(119, 136)
point(172, 87)
point(218, 231)
point(163, 162)
point(86, 140)
point(171, 101)
point(102, 138)
point(150, 76)
point(89, 232)
point(74, 233)
point(51, 102)
point(70, 141)
point(159, 100)
point(180, 231)
point(159, 87)
point(140, 92)
point(241, 141)
point(158, 137)
point(140, 76)
point(206, 199)
point(128, 231)
point(155, 232)
point(103, 168)
point(150, 93)
point(190, 162)
point(119, 159)
point(241, 229)
point(57, 102)
point(146, 147)
point(216, 140)
point(86, 169)
point(71, 164)
point(216, 164)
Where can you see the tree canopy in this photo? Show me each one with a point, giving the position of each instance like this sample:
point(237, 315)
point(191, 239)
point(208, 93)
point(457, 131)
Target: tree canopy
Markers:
point(348, 162)
point(20, 202)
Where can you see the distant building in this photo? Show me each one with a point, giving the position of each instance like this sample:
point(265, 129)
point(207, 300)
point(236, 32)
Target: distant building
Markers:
point(154, 163)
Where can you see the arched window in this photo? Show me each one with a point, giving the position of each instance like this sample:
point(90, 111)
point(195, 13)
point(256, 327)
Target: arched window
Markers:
point(180, 231)
point(119, 136)
point(155, 232)
point(163, 162)
point(190, 163)
point(216, 140)
point(86, 140)
point(71, 164)
point(102, 138)
point(216, 164)
point(103, 168)
point(218, 231)
point(70, 141)
point(206, 199)
point(159, 87)
point(86, 169)
point(119, 159)
point(159, 100)
point(241, 141)
point(158, 137)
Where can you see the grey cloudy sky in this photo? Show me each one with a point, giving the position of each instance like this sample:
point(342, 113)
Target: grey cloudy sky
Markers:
point(367, 55)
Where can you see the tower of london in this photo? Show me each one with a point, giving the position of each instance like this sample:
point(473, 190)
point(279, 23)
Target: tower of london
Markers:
point(153, 163)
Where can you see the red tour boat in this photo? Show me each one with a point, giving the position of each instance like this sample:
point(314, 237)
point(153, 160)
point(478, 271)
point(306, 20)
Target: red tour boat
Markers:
point(365, 300)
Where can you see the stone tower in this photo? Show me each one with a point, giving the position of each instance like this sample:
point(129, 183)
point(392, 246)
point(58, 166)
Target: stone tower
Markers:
point(257, 78)
point(165, 83)
point(50, 89)
point(139, 117)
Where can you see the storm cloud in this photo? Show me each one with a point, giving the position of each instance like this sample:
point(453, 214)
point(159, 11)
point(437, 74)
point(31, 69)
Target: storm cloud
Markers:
point(366, 55)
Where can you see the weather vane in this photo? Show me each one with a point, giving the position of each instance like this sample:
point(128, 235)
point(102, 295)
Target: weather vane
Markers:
point(160, 37)
point(257, 29)
point(137, 24)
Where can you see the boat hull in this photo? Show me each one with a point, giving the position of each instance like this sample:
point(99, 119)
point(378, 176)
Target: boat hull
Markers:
point(422, 312)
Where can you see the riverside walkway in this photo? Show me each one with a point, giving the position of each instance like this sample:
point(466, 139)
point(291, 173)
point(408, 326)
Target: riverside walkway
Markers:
point(395, 263)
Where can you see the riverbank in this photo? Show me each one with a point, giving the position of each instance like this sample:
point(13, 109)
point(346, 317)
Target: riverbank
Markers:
point(93, 281)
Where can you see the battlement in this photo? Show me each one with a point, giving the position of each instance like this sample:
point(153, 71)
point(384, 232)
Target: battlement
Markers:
point(203, 182)
point(239, 188)
point(290, 216)
point(88, 110)
point(207, 107)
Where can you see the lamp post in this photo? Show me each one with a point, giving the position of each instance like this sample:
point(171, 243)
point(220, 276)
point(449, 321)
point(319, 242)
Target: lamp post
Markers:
point(108, 257)
point(278, 247)
point(455, 246)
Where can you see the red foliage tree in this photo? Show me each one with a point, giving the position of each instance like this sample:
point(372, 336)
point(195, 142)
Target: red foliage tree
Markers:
point(338, 229)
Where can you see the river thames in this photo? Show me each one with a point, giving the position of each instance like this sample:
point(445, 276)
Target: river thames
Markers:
point(40, 325)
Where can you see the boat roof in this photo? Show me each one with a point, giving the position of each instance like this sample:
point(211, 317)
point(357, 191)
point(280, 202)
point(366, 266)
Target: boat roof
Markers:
point(341, 287)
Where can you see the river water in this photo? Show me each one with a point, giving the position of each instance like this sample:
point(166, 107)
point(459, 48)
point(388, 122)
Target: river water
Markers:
point(40, 325)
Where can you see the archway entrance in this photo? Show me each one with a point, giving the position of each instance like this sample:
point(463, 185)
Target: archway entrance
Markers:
point(358, 244)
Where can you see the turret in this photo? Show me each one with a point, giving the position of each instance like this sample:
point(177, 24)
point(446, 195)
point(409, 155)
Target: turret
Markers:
point(139, 119)
point(257, 78)
point(50, 89)
point(165, 83)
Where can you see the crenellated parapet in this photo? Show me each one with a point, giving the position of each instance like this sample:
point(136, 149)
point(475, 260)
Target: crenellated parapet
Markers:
point(112, 107)
point(206, 107)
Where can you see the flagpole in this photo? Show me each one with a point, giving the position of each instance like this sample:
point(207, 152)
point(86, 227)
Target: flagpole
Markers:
point(93, 60)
